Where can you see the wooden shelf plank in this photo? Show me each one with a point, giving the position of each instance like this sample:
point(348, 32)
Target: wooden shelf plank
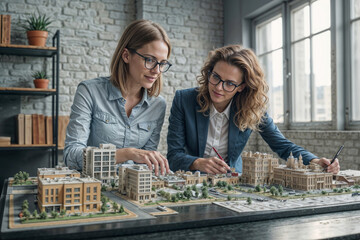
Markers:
point(29, 145)
point(26, 46)
point(26, 89)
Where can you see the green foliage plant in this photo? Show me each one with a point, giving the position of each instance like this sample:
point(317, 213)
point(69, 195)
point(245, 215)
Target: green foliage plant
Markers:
point(39, 23)
point(39, 75)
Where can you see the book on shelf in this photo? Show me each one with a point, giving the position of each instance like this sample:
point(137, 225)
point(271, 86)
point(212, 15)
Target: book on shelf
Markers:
point(21, 128)
point(28, 129)
point(49, 130)
point(35, 128)
point(41, 124)
point(5, 29)
point(62, 125)
point(5, 141)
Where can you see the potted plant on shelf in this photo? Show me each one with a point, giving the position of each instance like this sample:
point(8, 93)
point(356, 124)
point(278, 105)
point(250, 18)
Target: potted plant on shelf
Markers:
point(36, 29)
point(40, 79)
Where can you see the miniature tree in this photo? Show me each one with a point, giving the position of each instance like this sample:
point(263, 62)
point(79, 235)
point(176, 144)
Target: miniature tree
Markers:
point(249, 200)
point(54, 214)
point(230, 188)
point(210, 185)
point(103, 188)
point(25, 205)
point(205, 193)
point(25, 176)
point(257, 188)
point(228, 198)
point(196, 193)
point(104, 208)
point(272, 190)
point(153, 188)
point(219, 184)
point(264, 189)
point(323, 192)
point(356, 186)
point(115, 207)
point(26, 214)
point(121, 209)
point(62, 212)
point(173, 198)
point(112, 185)
point(281, 190)
point(35, 214)
point(43, 215)
point(205, 183)
point(194, 187)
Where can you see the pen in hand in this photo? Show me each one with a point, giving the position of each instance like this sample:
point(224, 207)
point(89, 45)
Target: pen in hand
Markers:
point(336, 155)
point(220, 157)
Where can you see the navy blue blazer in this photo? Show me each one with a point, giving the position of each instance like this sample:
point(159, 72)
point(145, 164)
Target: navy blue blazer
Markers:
point(188, 128)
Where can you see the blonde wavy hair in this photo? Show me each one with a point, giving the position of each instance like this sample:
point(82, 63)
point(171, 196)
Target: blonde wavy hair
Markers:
point(135, 36)
point(251, 102)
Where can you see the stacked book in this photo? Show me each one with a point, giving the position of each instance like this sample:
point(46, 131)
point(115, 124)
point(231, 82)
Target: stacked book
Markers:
point(38, 129)
point(5, 141)
point(5, 29)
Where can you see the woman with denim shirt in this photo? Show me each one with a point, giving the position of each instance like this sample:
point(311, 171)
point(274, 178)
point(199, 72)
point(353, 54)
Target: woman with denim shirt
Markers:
point(124, 109)
point(219, 116)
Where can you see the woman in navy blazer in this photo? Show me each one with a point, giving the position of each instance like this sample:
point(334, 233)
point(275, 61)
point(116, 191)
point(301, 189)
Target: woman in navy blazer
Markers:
point(231, 81)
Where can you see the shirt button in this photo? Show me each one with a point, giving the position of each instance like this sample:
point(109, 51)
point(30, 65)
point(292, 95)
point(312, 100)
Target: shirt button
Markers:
point(128, 127)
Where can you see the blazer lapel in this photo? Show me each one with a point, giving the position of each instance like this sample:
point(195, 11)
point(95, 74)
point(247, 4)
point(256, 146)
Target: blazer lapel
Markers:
point(202, 123)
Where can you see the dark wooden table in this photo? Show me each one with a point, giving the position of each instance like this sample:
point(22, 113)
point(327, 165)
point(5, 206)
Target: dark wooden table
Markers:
point(208, 222)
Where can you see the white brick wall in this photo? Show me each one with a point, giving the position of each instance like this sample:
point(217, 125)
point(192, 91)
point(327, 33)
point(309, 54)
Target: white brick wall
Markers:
point(90, 31)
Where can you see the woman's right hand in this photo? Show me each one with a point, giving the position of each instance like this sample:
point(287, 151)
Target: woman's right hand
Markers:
point(150, 158)
point(211, 165)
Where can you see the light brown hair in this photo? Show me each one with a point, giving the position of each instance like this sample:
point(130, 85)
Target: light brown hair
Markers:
point(135, 36)
point(251, 102)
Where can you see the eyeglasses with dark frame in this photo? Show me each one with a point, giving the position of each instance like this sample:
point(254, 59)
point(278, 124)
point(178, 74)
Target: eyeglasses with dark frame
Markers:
point(227, 85)
point(151, 62)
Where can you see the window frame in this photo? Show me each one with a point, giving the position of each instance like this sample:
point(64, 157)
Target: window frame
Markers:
point(339, 70)
point(349, 123)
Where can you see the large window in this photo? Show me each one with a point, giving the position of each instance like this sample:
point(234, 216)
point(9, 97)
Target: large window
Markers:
point(294, 48)
point(355, 59)
point(270, 53)
point(311, 59)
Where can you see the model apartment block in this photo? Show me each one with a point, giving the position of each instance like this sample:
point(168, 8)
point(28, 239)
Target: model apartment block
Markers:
point(61, 188)
point(99, 162)
point(135, 180)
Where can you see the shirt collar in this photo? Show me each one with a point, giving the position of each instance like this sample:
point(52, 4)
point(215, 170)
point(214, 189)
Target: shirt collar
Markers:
point(114, 93)
point(226, 112)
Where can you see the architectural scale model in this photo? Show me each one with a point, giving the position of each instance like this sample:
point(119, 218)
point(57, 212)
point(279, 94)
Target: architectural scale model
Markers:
point(262, 168)
point(61, 188)
point(99, 162)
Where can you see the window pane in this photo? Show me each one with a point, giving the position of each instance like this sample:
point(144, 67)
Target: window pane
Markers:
point(301, 81)
point(355, 7)
point(269, 36)
point(320, 15)
point(273, 67)
point(355, 71)
point(322, 77)
point(300, 23)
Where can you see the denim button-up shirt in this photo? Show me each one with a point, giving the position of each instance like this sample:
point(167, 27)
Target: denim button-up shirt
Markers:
point(98, 116)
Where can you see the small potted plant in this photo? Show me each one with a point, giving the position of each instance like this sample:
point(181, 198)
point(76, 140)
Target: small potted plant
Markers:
point(40, 79)
point(36, 29)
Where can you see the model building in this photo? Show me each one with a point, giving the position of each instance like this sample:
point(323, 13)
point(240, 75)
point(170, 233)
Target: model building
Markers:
point(61, 188)
point(258, 168)
point(99, 162)
point(298, 176)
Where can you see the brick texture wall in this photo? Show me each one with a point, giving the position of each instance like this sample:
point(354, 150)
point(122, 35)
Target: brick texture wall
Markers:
point(90, 31)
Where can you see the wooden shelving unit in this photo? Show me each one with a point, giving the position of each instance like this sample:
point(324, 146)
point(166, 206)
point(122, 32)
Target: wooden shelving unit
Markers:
point(46, 52)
